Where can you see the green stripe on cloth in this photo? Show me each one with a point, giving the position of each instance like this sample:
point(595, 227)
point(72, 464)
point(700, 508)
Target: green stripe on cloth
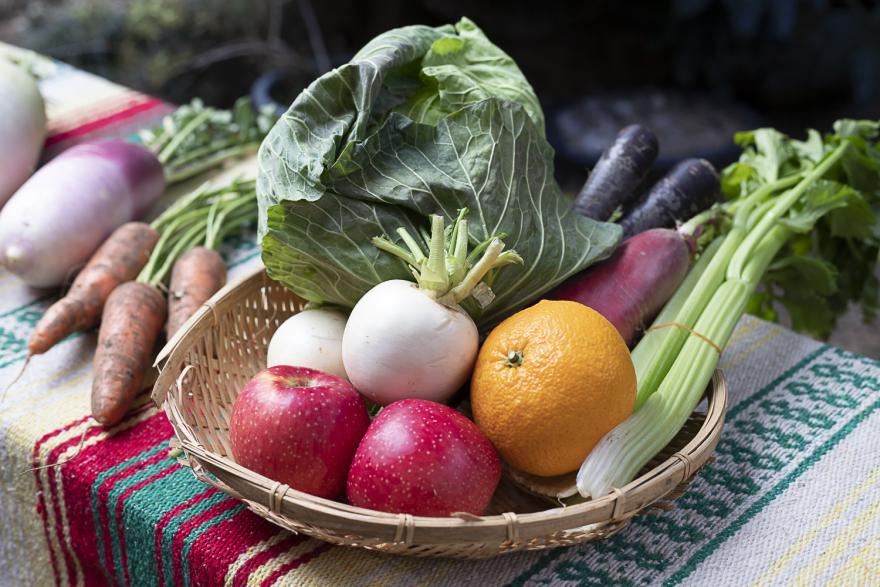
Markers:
point(143, 511)
point(768, 497)
point(763, 392)
point(112, 500)
point(772, 436)
point(175, 524)
point(96, 515)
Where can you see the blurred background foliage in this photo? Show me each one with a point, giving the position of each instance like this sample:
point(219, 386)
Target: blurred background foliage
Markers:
point(800, 59)
point(694, 70)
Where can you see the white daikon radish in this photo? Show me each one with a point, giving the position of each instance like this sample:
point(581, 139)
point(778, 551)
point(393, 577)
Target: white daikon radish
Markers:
point(22, 128)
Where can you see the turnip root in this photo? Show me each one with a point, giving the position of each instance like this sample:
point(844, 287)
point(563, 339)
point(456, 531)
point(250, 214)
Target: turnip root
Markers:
point(313, 339)
point(22, 128)
point(632, 285)
point(63, 213)
point(407, 340)
point(400, 343)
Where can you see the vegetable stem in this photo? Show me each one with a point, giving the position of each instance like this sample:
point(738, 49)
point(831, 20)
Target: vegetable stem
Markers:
point(477, 272)
point(434, 277)
point(448, 273)
point(383, 244)
point(412, 244)
point(782, 205)
point(182, 135)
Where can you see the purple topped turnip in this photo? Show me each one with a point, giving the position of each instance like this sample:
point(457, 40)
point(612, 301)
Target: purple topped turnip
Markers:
point(58, 218)
point(62, 214)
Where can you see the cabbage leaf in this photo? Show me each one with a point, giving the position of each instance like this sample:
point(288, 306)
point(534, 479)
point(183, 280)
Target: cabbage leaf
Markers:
point(421, 121)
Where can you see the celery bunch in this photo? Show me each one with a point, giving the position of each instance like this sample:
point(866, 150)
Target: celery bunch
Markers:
point(790, 195)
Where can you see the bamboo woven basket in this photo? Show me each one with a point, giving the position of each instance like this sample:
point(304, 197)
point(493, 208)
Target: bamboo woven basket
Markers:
point(224, 344)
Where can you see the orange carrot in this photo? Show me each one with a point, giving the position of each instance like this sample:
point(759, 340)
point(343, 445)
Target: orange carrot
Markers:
point(132, 319)
point(197, 275)
point(118, 260)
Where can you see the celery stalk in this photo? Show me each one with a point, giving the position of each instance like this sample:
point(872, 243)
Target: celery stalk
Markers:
point(645, 355)
point(674, 368)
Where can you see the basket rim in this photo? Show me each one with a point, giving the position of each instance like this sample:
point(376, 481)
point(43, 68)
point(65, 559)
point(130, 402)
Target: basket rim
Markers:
point(266, 495)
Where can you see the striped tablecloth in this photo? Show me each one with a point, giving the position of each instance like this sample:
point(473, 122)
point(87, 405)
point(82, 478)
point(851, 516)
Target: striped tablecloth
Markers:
point(792, 497)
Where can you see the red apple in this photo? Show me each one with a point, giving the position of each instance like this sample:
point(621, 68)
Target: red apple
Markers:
point(298, 426)
point(423, 458)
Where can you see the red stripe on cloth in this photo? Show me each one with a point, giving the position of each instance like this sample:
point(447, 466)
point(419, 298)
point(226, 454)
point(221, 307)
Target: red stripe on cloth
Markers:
point(169, 515)
point(99, 123)
point(121, 502)
point(186, 528)
point(258, 560)
point(54, 493)
point(110, 104)
point(41, 501)
point(80, 475)
point(296, 563)
point(52, 457)
point(214, 552)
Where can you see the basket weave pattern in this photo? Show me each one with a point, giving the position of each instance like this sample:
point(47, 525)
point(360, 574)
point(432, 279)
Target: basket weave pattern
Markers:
point(224, 345)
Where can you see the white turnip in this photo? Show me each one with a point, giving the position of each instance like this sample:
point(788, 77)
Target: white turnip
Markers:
point(407, 340)
point(22, 128)
point(62, 214)
point(312, 338)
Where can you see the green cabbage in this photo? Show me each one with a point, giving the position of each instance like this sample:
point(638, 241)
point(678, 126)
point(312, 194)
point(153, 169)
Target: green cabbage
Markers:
point(421, 121)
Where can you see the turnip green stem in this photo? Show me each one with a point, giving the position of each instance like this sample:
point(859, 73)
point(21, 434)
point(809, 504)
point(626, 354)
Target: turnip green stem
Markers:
point(383, 244)
point(412, 244)
point(448, 273)
point(182, 135)
point(476, 273)
point(434, 278)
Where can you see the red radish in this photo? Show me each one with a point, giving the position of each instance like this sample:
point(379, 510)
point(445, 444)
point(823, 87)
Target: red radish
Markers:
point(632, 285)
point(61, 215)
point(298, 426)
point(423, 458)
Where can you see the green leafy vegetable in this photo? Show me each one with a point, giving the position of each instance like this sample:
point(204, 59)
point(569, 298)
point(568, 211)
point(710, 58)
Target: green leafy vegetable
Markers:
point(831, 264)
point(778, 231)
point(422, 121)
point(194, 137)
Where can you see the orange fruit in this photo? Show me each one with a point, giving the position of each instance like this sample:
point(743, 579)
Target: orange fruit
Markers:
point(549, 383)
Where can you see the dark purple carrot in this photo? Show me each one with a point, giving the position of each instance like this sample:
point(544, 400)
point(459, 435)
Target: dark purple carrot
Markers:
point(197, 275)
point(616, 177)
point(632, 286)
point(689, 188)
